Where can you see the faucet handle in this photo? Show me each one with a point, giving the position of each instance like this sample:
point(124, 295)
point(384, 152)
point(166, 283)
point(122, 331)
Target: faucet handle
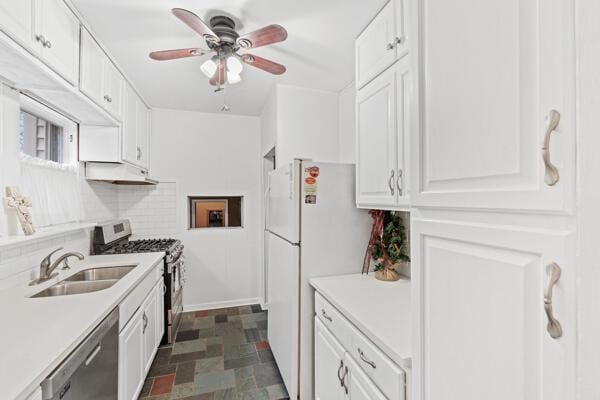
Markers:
point(46, 261)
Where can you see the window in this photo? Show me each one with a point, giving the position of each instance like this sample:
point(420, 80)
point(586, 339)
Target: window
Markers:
point(40, 138)
point(215, 212)
point(46, 134)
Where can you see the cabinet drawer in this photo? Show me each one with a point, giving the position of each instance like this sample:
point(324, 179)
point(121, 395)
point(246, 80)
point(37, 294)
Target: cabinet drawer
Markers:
point(133, 301)
point(333, 320)
point(383, 371)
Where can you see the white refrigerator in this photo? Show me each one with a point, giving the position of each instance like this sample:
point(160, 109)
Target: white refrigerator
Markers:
point(314, 229)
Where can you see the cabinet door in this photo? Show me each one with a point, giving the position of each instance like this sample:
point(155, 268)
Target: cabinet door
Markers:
point(131, 357)
point(376, 143)
point(403, 124)
point(91, 75)
point(143, 134)
point(329, 364)
point(16, 20)
point(129, 126)
point(481, 329)
point(360, 387)
point(488, 79)
point(160, 312)
point(113, 88)
point(60, 29)
point(375, 50)
point(401, 28)
point(149, 325)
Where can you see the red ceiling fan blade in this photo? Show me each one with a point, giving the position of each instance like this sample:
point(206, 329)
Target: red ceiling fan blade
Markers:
point(263, 63)
point(194, 22)
point(262, 37)
point(163, 55)
point(218, 78)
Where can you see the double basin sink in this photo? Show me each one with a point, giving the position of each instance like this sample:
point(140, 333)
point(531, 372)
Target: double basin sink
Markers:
point(87, 281)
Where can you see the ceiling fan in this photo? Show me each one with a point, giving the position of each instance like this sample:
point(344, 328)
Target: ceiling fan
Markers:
point(223, 40)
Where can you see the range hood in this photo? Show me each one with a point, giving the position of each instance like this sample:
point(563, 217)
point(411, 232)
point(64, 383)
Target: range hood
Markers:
point(117, 173)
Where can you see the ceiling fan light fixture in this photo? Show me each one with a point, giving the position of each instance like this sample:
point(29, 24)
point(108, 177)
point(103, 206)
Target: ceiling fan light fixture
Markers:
point(209, 67)
point(234, 66)
point(233, 78)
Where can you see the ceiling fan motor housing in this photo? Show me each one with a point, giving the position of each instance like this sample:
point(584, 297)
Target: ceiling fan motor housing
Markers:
point(224, 27)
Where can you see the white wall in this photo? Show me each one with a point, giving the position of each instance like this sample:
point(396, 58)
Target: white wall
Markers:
point(307, 124)
point(213, 155)
point(347, 124)
point(268, 123)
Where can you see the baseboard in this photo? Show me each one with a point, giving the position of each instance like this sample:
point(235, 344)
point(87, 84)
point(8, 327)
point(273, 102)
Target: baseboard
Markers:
point(220, 304)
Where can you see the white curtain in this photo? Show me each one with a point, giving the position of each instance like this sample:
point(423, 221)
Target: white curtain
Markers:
point(53, 189)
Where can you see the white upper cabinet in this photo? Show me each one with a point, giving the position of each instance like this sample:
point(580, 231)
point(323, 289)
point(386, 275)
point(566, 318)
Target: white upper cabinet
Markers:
point(135, 129)
point(381, 43)
point(92, 60)
point(488, 78)
point(57, 33)
point(16, 20)
point(382, 140)
point(129, 126)
point(101, 81)
point(479, 312)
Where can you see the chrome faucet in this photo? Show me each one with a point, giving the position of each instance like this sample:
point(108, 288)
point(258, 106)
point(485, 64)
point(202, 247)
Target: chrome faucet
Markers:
point(47, 267)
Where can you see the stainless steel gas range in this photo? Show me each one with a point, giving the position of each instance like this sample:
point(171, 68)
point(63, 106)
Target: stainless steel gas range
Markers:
point(112, 237)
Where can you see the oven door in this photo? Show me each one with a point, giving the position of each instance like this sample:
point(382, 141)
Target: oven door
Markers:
point(174, 298)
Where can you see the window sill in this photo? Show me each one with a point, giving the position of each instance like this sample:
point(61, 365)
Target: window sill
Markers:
point(43, 233)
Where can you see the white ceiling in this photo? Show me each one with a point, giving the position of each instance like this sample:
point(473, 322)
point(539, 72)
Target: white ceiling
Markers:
point(319, 52)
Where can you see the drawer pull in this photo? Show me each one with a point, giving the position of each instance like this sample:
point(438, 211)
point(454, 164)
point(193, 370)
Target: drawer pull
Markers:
point(340, 369)
point(365, 359)
point(327, 317)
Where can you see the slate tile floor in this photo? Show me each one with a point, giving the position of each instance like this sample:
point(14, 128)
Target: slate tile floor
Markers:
point(217, 355)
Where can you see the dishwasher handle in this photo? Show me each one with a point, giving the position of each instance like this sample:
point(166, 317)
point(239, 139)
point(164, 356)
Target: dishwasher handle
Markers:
point(83, 355)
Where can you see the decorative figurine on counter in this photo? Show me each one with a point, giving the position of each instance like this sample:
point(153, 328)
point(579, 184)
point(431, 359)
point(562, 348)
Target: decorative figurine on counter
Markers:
point(387, 246)
point(15, 200)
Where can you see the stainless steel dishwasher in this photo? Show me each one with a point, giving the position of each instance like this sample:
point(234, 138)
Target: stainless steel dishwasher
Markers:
point(90, 372)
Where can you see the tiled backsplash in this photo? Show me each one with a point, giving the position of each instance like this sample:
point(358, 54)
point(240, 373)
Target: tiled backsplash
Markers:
point(151, 209)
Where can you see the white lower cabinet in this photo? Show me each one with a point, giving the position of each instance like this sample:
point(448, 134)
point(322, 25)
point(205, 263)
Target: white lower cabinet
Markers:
point(483, 295)
point(360, 387)
point(329, 364)
point(131, 358)
point(339, 370)
point(138, 343)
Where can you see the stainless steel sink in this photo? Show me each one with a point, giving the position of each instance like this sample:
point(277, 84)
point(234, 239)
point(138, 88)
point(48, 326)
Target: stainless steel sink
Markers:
point(64, 288)
point(101, 274)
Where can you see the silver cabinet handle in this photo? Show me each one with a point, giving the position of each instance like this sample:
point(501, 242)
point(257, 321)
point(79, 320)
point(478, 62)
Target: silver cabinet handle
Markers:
point(145, 319)
point(48, 44)
point(554, 329)
point(400, 182)
point(340, 369)
point(327, 317)
point(552, 121)
point(139, 153)
point(365, 359)
point(390, 182)
point(40, 38)
point(344, 380)
point(397, 41)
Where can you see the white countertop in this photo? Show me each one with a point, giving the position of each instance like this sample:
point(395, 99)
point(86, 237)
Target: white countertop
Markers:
point(38, 333)
point(380, 310)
